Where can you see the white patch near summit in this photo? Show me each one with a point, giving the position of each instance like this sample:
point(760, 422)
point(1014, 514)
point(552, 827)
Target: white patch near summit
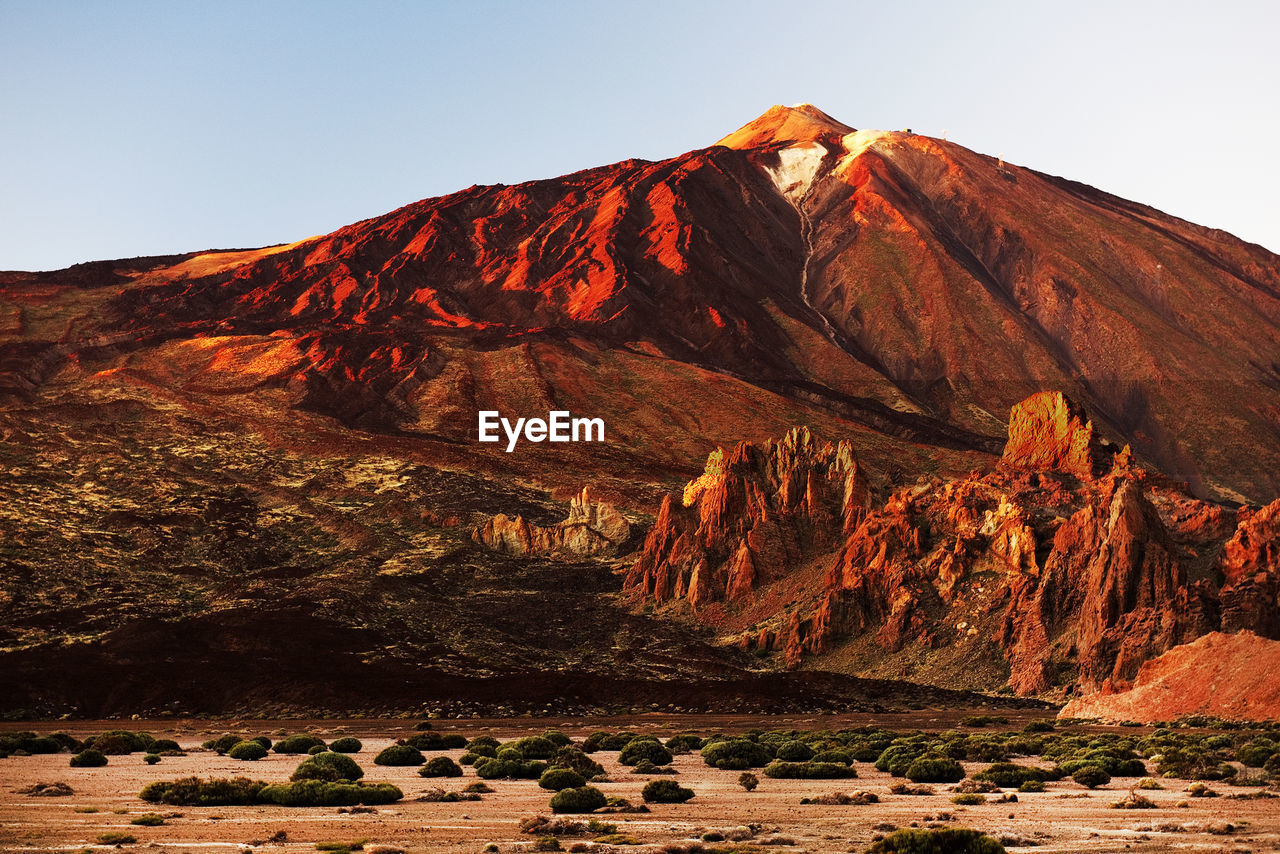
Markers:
point(796, 169)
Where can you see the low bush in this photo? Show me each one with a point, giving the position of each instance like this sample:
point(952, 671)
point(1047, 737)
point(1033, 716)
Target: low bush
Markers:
point(322, 793)
point(509, 769)
point(222, 744)
point(532, 747)
point(89, 758)
point(748, 781)
point(947, 840)
point(1008, 775)
point(1091, 777)
point(665, 792)
point(298, 744)
point(795, 751)
point(151, 758)
point(969, 799)
point(935, 769)
point(247, 751)
point(1031, 786)
point(580, 800)
point(736, 754)
point(684, 743)
point(557, 738)
point(148, 820)
point(165, 745)
point(844, 757)
point(643, 749)
point(808, 770)
point(558, 779)
point(119, 742)
point(195, 792)
point(346, 745)
point(440, 766)
point(400, 755)
point(116, 838)
point(328, 767)
point(574, 759)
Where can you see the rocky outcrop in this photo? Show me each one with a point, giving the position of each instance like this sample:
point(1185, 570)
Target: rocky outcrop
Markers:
point(592, 528)
point(753, 515)
point(1068, 562)
point(1226, 675)
point(1051, 432)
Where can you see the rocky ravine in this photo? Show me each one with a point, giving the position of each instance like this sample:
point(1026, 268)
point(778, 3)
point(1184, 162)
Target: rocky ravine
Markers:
point(1067, 563)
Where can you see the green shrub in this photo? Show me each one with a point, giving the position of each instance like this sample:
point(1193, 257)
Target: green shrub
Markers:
point(968, 799)
point(483, 741)
point(683, 743)
point(510, 769)
point(118, 742)
point(436, 741)
point(947, 840)
point(574, 759)
point(558, 779)
point(737, 754)
point(808, 770)
point(116, 838)
point(298, 744)
point(533, 747)
point(89, 758)
point(935, 769)
point(1039, 726)
point(983, 720)
point(795, 751)
point(1008, 775)
point(604, 740)
point(440, 766)
point(897, 757)
point(222, 744)
point(151, 758)
point(556, 737)
point(322, 793)
point(665, 792)
point(248, 751)
point(148, 820)
point(640, 750)
point(195, 792)
point(844, 757)
point(346, 745)
point(401, 755)
point(328, 766)
point(1031, 786)
point(1091, 776)
point(579, 800)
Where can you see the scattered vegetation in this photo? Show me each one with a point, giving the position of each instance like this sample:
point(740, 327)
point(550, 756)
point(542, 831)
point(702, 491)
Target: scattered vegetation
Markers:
point(89, 758)
point(298, 744)
point(945, 840)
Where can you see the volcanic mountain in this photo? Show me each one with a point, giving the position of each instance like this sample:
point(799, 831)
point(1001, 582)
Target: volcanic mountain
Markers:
point(203, 439)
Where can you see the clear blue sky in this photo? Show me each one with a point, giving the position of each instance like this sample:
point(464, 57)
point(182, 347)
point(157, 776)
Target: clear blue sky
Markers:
point(131, 128)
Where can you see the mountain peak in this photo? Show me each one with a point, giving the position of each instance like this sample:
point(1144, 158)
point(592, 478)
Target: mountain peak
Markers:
point(779, 124)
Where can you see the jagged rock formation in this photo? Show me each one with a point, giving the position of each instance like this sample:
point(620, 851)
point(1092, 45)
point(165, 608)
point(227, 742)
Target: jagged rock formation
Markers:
point(1050, 432)
point(754, 513)
point(1068, 562)
point(592, 528)
point(1227, 675)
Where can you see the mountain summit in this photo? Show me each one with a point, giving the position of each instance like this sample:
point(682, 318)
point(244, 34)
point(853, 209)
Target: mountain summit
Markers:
point(786, 125)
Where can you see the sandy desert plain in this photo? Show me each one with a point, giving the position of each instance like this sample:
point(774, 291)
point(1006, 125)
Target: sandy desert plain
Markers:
point(722, 818)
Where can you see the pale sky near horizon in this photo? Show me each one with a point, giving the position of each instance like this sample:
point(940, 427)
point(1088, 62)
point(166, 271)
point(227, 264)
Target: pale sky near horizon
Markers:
point(142, 128)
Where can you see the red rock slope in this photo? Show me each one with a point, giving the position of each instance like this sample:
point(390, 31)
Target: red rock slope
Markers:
point(1230, 676)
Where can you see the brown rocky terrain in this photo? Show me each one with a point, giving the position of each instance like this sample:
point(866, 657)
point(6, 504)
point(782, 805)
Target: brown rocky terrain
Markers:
point(217, 463)
point(1065, 567)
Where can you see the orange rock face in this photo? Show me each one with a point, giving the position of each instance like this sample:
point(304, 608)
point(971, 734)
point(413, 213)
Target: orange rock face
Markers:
point(755, 512)
point(1227, 675)
point(1066, 562)
point(1050, 432)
